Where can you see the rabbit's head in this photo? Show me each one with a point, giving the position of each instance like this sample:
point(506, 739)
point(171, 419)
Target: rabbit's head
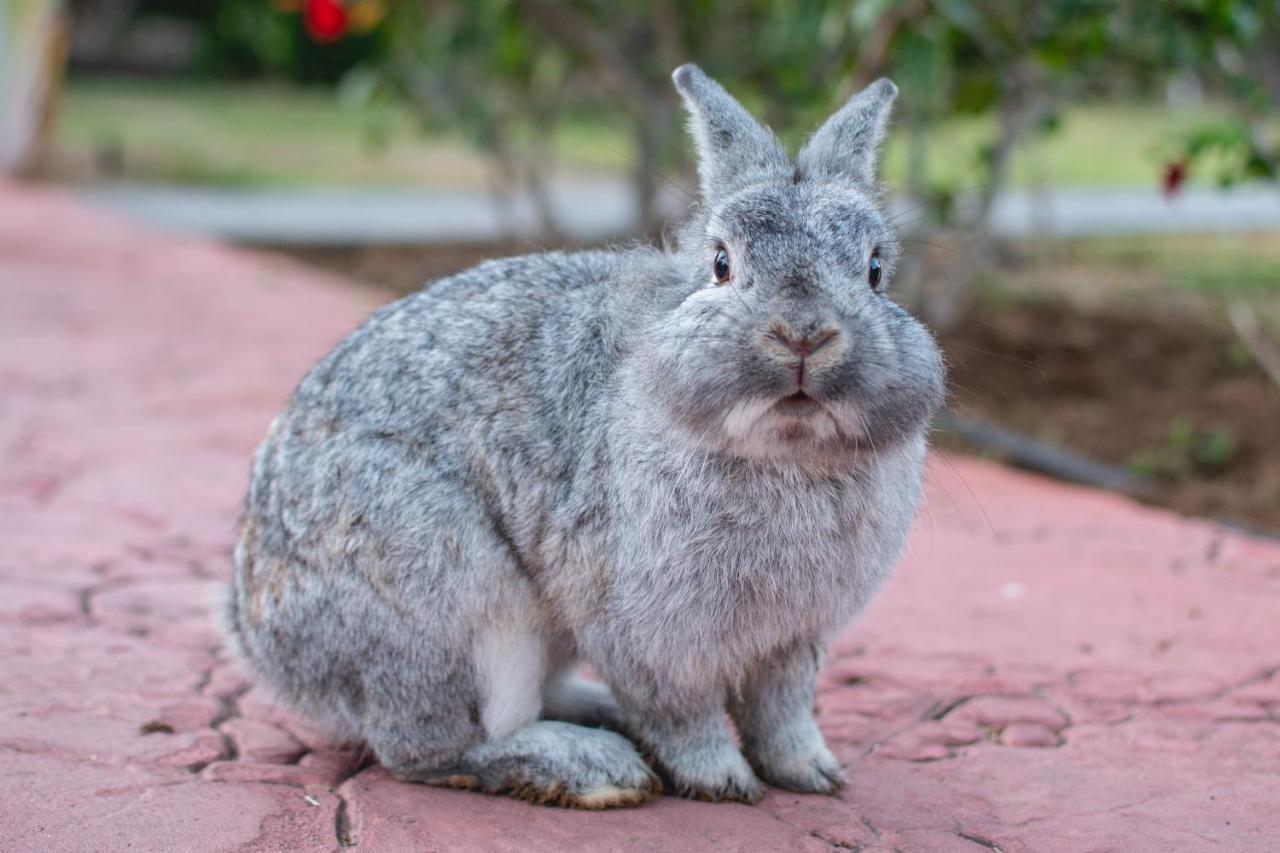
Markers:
point(782, 342)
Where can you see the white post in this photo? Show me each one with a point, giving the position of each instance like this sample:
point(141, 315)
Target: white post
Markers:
point(31, 55)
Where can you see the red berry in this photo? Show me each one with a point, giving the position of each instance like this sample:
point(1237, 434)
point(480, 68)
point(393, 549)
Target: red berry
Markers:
point(325, 20)
point(1174, 175)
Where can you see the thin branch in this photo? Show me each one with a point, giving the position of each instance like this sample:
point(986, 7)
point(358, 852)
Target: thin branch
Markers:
point(605, 52)
point(873, 53)
point(1245, 321)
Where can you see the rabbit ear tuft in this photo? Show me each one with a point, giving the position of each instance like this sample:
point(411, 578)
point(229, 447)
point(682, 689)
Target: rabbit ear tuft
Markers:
point(847, 144)
point(734, 150)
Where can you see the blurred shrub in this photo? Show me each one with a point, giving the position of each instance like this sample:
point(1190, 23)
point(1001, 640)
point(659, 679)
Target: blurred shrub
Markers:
point(505, 72)
point(253, 37)
point(280, 38)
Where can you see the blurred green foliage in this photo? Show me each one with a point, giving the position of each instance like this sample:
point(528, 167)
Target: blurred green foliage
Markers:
point(506, 72)
point(207, 132)
point(255, 38)
point(1189, 451)
point(491, 64)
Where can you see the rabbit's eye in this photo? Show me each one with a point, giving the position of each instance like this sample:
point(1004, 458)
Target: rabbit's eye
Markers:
point(720, 266)
point(873, 272)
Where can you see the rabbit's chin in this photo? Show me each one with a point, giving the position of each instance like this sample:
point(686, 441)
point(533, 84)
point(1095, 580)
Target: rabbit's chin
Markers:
point(790, 430)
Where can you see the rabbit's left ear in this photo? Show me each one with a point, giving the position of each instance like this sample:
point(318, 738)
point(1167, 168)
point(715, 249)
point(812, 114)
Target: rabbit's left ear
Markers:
point(846, 146)
point(734, 150)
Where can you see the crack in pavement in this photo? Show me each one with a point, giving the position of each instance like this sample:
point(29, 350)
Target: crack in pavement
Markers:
point(973, 837)
point(343, 827)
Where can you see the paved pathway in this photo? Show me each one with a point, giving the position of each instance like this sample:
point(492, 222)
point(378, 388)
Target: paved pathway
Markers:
point(595, 210)
point(588, 210)
point(1051, 669)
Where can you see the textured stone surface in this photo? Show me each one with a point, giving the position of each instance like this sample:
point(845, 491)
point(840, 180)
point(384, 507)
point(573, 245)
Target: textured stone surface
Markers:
point(1050, 669)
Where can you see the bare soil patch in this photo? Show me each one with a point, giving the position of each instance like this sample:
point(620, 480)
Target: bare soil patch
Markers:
point(1168, 393)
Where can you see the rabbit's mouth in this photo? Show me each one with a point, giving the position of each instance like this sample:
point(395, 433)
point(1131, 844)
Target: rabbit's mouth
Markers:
point(798, 427)
point(797, 405)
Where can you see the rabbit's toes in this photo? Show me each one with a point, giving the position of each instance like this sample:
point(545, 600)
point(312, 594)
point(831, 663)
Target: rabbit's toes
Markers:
point(811, 771)
point(559, 764)
point(610, 796)
point(722, 774)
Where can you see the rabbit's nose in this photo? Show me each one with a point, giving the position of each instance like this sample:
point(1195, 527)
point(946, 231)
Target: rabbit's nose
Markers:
point(803, 345)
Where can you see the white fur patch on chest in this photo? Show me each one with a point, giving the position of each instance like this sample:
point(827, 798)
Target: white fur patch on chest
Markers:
point(511, 664)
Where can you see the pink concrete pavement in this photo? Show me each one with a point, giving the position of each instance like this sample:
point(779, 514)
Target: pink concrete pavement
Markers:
point(1050, 669)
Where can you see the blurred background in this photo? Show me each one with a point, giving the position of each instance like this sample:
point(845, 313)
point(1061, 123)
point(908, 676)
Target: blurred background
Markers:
point(1087, 191)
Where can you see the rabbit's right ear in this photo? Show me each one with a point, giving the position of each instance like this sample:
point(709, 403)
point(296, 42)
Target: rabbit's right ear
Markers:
point(734, 150)
point(847, 144)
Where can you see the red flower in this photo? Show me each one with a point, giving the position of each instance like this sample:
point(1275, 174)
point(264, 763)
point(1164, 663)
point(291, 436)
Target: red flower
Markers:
point(325, 20)
point(1174, 175)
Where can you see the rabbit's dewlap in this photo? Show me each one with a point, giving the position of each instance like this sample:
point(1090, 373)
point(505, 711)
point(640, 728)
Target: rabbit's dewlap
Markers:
point(686, 468)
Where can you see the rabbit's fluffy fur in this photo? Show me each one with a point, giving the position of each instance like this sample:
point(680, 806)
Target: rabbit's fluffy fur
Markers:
point(602, 457)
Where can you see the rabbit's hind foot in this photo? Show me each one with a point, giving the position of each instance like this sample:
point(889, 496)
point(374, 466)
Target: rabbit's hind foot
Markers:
point(550, 763)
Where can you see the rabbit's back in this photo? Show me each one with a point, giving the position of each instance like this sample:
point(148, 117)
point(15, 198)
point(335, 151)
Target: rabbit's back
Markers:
point(503, 360)
point(484, 390)
point(502, 336)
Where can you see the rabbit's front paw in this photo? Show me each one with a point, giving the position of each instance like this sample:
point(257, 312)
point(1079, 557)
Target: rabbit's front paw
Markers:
point(811, 770)
point(714, 775)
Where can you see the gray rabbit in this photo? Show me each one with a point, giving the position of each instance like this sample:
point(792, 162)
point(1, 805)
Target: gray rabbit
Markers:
point(685, 468)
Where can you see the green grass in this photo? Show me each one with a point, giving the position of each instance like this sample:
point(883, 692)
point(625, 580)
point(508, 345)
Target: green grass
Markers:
point(1211, 265)
point(1095, 145)
point(249, 134)
point(241, 133)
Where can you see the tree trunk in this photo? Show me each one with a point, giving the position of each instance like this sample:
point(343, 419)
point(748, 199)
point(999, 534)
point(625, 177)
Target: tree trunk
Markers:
point(651, 128)
point(539, 162)
point(1018, 109)
point(913, 268)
